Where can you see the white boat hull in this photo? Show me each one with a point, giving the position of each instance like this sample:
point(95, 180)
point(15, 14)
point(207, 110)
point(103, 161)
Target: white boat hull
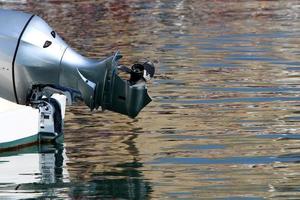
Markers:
point(22, 125)
point(17, 122)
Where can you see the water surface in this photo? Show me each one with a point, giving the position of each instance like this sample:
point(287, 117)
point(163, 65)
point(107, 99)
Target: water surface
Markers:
point(224, 121)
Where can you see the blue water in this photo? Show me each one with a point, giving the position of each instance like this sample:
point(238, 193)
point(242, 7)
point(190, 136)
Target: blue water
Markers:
point(224, 120)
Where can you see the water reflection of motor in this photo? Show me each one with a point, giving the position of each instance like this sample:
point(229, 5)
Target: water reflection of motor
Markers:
point(46, 172)
point(35, 63)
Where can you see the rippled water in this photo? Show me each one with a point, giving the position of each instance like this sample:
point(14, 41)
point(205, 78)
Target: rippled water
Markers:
point(224, 121)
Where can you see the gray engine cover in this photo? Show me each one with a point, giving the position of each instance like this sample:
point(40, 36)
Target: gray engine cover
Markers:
point(33, 56)
point(33, 59)
point(9, 37)
point(24, 58)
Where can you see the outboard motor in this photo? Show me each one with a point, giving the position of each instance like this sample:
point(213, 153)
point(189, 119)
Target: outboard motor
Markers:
point(36, 63)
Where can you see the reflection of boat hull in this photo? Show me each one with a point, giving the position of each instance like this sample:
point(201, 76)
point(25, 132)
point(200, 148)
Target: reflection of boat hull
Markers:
point(24, 125)
point(29, 167)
